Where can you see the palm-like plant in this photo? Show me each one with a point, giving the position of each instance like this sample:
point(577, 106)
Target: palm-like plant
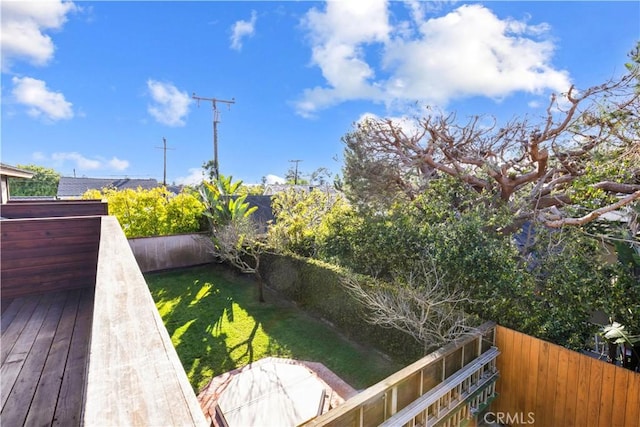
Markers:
point(615, 333)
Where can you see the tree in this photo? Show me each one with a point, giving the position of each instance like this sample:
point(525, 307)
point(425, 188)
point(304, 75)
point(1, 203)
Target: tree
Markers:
point(299, 216)
point(565, 169)
point(423, 305)
point(235, 237)
point(548, 288)
point(295, 177)
point(320, 177)
point(43, 183)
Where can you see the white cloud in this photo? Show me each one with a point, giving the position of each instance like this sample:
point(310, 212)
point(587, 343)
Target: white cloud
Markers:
point(81, 162)
point(468, 52)
point(195, 177)
point(171, 106)
point(242, 29)
point(23, 27)
point(407, 124)
point(337, 36)
point(118, 164)
point(274, 179)
point(471, 52)
point(41, 101)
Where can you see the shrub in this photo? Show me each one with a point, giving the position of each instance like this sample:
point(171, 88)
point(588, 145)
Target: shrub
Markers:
point(154, 212)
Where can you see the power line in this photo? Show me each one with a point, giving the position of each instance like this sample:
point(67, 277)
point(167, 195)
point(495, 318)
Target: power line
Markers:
point(216, 120)
point(164, 148)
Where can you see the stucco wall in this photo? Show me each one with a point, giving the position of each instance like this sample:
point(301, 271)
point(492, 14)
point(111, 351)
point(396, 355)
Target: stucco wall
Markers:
point(166, 252)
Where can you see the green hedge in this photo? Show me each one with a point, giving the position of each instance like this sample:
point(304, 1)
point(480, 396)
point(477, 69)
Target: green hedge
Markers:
point(317, 287)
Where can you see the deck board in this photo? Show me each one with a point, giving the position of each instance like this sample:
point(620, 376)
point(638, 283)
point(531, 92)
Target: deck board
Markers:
point(16, 321)
point(10, 308)
point(53, 372)
point(39, 344)
point(71, 400)
point(15, 407)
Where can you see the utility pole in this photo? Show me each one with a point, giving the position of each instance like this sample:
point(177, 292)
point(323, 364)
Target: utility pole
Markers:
point(164, 176)
point(295, 177)
point(216, 120)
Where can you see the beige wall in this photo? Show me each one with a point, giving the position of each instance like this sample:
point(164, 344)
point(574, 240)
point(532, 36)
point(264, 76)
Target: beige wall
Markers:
point(166, 252)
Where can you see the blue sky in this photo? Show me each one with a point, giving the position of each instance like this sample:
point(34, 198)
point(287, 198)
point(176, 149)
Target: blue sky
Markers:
point(92, 88)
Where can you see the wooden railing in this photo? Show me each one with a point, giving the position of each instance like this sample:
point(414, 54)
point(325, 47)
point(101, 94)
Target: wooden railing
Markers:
point(445, 387)
point(53, 208)
point(134, 375)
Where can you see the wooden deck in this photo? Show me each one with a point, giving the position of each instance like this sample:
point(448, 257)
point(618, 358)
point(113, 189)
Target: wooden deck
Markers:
point(82, 340)
point(44, 351)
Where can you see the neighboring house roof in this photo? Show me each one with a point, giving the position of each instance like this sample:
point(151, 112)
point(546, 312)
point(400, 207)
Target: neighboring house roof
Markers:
point(14, 172)
point(271, 189)
point(75, 187)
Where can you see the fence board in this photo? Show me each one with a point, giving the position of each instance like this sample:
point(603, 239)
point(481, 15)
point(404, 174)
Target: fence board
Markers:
point(595, 391)
point(532, 377)
point(632, 407)
point(563, 387)
point(541, 383)
point(572, 386)
point(524, 372)
point(606, 399)
point(505, 343)
point(583, 392)
point(619, 401)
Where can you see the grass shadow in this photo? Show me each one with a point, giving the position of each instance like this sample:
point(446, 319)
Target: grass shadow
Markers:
point(217, 324)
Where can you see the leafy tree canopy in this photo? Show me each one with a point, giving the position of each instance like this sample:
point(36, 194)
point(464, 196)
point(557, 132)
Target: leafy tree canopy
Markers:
point(43, 183)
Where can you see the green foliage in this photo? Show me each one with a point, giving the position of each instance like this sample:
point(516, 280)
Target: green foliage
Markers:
point(294, 177)
point(154, 212)
point(251, 190)
point(222, 204)
point(607, 166)
point(235, 238)
point(548, 288)
point(43, 183)
point(299, 219)
point(570, 277)
point(621, 297)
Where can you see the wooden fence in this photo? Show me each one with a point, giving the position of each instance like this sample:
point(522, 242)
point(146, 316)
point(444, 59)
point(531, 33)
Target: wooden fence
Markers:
point(543, 384)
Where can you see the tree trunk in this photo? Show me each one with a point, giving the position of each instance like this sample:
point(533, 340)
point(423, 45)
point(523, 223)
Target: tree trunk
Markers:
point(259, 280)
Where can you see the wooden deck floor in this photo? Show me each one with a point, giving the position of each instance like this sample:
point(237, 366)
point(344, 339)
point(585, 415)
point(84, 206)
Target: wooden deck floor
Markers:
point(43, 357)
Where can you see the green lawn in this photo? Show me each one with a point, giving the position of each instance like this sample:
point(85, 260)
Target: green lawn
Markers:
point(217, 324)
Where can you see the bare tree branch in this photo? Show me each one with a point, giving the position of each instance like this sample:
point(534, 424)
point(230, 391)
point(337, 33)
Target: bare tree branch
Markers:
point(423, 307)
point(594, 214)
